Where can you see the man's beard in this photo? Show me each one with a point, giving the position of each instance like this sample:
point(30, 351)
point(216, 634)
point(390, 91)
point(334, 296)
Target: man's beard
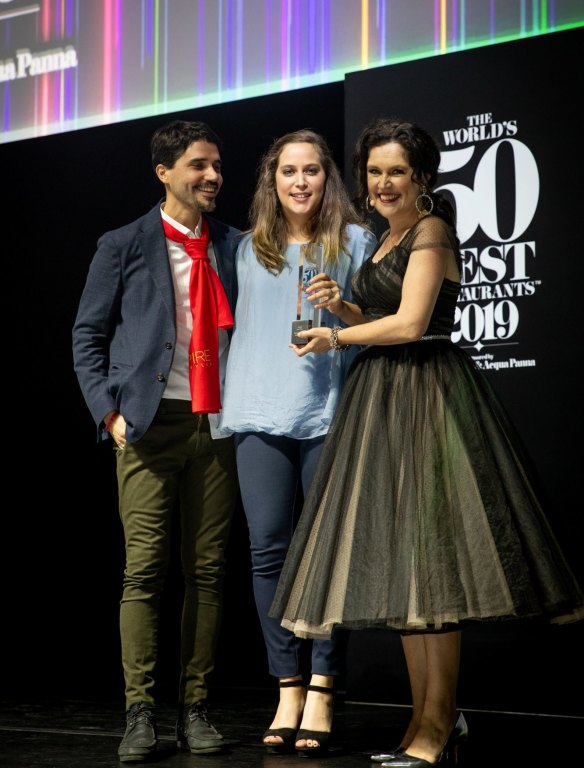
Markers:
point(206, 205)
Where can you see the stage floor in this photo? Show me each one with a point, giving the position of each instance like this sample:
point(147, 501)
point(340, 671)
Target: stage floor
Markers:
point(86, 734)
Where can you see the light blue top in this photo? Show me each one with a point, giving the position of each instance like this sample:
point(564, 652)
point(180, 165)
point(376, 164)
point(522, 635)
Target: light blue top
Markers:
point(268, 388)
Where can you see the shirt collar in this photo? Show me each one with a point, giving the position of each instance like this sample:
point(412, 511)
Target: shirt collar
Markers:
point(181, 228)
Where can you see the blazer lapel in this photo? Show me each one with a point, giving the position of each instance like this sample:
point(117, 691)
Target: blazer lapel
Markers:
point(153, 246)
point(224, 251)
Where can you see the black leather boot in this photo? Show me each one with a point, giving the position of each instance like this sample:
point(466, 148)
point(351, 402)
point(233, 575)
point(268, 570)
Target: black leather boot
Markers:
point(139, 740)
point(195, 732)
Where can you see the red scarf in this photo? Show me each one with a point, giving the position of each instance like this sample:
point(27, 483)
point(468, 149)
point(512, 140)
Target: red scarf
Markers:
point(210, 310)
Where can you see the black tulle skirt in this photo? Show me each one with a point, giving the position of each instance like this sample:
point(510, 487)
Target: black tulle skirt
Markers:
point(421, 515)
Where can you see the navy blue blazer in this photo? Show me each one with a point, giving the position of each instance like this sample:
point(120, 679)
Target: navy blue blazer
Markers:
point(125, 330)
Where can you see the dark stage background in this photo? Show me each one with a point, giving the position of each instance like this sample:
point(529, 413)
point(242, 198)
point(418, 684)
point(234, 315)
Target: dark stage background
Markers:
point(62, 543)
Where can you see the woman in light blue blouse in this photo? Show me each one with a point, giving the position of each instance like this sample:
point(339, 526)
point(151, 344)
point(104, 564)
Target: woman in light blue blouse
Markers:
point(280, 405)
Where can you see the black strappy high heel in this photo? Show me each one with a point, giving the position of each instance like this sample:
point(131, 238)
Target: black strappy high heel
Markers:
point(322, 737)
point(288, 735)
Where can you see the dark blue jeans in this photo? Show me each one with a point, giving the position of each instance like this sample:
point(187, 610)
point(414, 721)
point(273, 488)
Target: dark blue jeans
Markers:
point(274, 474)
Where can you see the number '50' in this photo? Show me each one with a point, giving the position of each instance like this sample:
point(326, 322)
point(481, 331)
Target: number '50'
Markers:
point(478, 206)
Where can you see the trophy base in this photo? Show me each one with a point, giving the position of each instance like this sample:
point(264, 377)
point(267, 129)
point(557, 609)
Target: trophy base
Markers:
point(300, 325)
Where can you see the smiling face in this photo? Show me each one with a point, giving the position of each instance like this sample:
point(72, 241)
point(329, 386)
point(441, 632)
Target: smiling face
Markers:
point(300, 182)
point(193, 182)
point(389, 182)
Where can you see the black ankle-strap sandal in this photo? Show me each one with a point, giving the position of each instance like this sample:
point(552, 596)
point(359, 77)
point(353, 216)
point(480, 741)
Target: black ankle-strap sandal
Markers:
point(323, 737)
point(288, 735)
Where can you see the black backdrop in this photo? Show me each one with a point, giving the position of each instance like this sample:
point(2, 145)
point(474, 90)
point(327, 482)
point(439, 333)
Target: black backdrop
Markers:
point(61, 542)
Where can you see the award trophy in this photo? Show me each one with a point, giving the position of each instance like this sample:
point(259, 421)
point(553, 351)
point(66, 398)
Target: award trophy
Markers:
point(310, 264)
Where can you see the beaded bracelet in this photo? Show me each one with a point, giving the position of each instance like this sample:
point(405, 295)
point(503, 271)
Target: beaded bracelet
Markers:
point(334, 340)
point(107, 427)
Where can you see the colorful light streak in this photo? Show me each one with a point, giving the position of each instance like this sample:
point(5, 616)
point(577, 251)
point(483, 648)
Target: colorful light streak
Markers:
point(297, 43)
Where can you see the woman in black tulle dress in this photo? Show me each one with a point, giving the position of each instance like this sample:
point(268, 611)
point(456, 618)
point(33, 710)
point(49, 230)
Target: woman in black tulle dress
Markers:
point(421, 517)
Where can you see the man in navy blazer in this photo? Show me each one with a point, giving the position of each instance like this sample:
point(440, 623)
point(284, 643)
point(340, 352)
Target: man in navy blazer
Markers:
point(131, 355)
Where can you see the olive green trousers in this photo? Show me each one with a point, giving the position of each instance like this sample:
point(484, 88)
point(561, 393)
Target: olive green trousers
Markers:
point(175, 474)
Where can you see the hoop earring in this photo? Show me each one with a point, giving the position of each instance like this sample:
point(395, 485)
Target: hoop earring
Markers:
point(369, 207)
point(422, 206)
